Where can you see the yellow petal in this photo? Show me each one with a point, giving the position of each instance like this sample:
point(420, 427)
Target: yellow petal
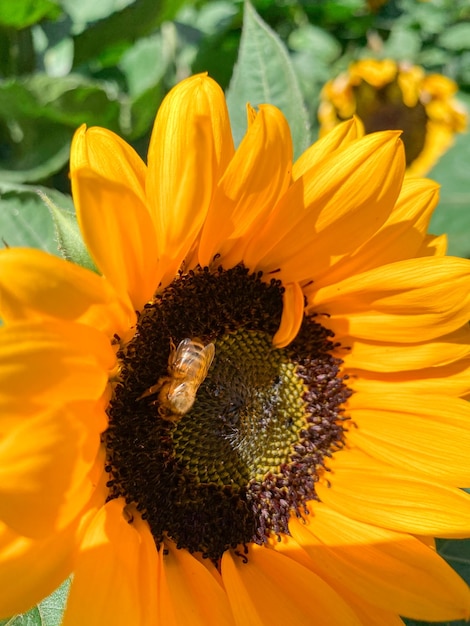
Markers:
point(41, 461)
point(189, 593)
point(273, 589)
point(109, 157)
point(392, 357)
point(15, 409)
point(293, 303)
point(338, 138)
point(451, 380)
point(256, 177)
point(329, 211)
point(393, 571)
point(402, 236)
point(92, 414)
point(96, 486)
point(34, 284)
point(393, 498)
point(377, 72)
point(119, 233)
point(31, 570)
point(53, 361)
point(408, 301)
point(190, 147)
point(434, 246)
point(106, 571)
point(369, 614)
point(148, 572)
point(426, 434)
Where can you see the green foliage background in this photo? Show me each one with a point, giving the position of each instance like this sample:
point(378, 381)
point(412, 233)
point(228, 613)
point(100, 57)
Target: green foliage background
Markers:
point(109, 63)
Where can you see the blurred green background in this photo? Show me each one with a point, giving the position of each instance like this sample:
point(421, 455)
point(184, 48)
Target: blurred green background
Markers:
point(110, 63)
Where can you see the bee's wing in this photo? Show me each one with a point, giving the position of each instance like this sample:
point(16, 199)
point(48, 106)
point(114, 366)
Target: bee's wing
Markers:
point(180, 355)
point(209, 352)
point(184, 345)
point(192, 360)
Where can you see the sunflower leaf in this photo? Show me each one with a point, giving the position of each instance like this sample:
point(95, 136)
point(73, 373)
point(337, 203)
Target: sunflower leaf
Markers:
point(452, 215)
point(40, 114)
point(456, 37)
point(123, 27)
point(67, 232)
point(264, 74)
point(24, 219)
point(23, 13)
point(43, 218)
point(49, 612)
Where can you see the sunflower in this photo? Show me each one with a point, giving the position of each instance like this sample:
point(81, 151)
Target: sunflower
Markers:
point(389, 95)
point(253, 413)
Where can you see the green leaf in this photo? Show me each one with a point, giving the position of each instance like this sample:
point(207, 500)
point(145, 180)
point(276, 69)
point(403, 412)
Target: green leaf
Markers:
point(264, 74)
point(71, 100)
point(212, 33)
point(22, 13)
point(25, 219)
point(144, 65)
point(310, 43)
point(316, 41)
point(143, 111)
point(38, 116)
point(87, 11)
point(36, 150)
point(123, 27)
point(456, 37)
point(403, 44)
point(452, 215)
point(68, 236)
point(49, 612)
point(38, 217)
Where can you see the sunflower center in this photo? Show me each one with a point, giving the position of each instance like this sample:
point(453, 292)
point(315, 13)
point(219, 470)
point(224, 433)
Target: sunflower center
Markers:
point(384, 109)
point(214, 435)
point(247, 414)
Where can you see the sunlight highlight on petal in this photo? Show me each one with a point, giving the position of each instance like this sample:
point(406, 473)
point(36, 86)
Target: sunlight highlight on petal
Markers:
point(112, 212)
point(258, 174)
point(394, 571)
point(189, 593)
point(287, 588)
point(41, 566)
point(50, 358)
point(107, 155)
point(34, 284)
point(388, 498)
point(114, 544)
point(190, 147)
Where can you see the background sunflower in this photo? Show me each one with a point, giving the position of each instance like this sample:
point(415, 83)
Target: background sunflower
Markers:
point(111, 63)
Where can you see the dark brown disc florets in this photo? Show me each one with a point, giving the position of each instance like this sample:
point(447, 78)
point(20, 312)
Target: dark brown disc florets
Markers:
point(247, 454)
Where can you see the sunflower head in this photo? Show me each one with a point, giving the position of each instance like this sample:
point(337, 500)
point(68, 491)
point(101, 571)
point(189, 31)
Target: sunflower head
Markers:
point(235, 420)
point(389, 95)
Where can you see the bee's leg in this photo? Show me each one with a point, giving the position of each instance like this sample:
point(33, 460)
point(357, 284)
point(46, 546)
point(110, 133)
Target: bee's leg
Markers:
point(153, 389)
point(172, 356)
point(166, 414)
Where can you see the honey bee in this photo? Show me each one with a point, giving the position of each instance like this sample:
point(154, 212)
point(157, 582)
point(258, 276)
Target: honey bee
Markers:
point(188, 365)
